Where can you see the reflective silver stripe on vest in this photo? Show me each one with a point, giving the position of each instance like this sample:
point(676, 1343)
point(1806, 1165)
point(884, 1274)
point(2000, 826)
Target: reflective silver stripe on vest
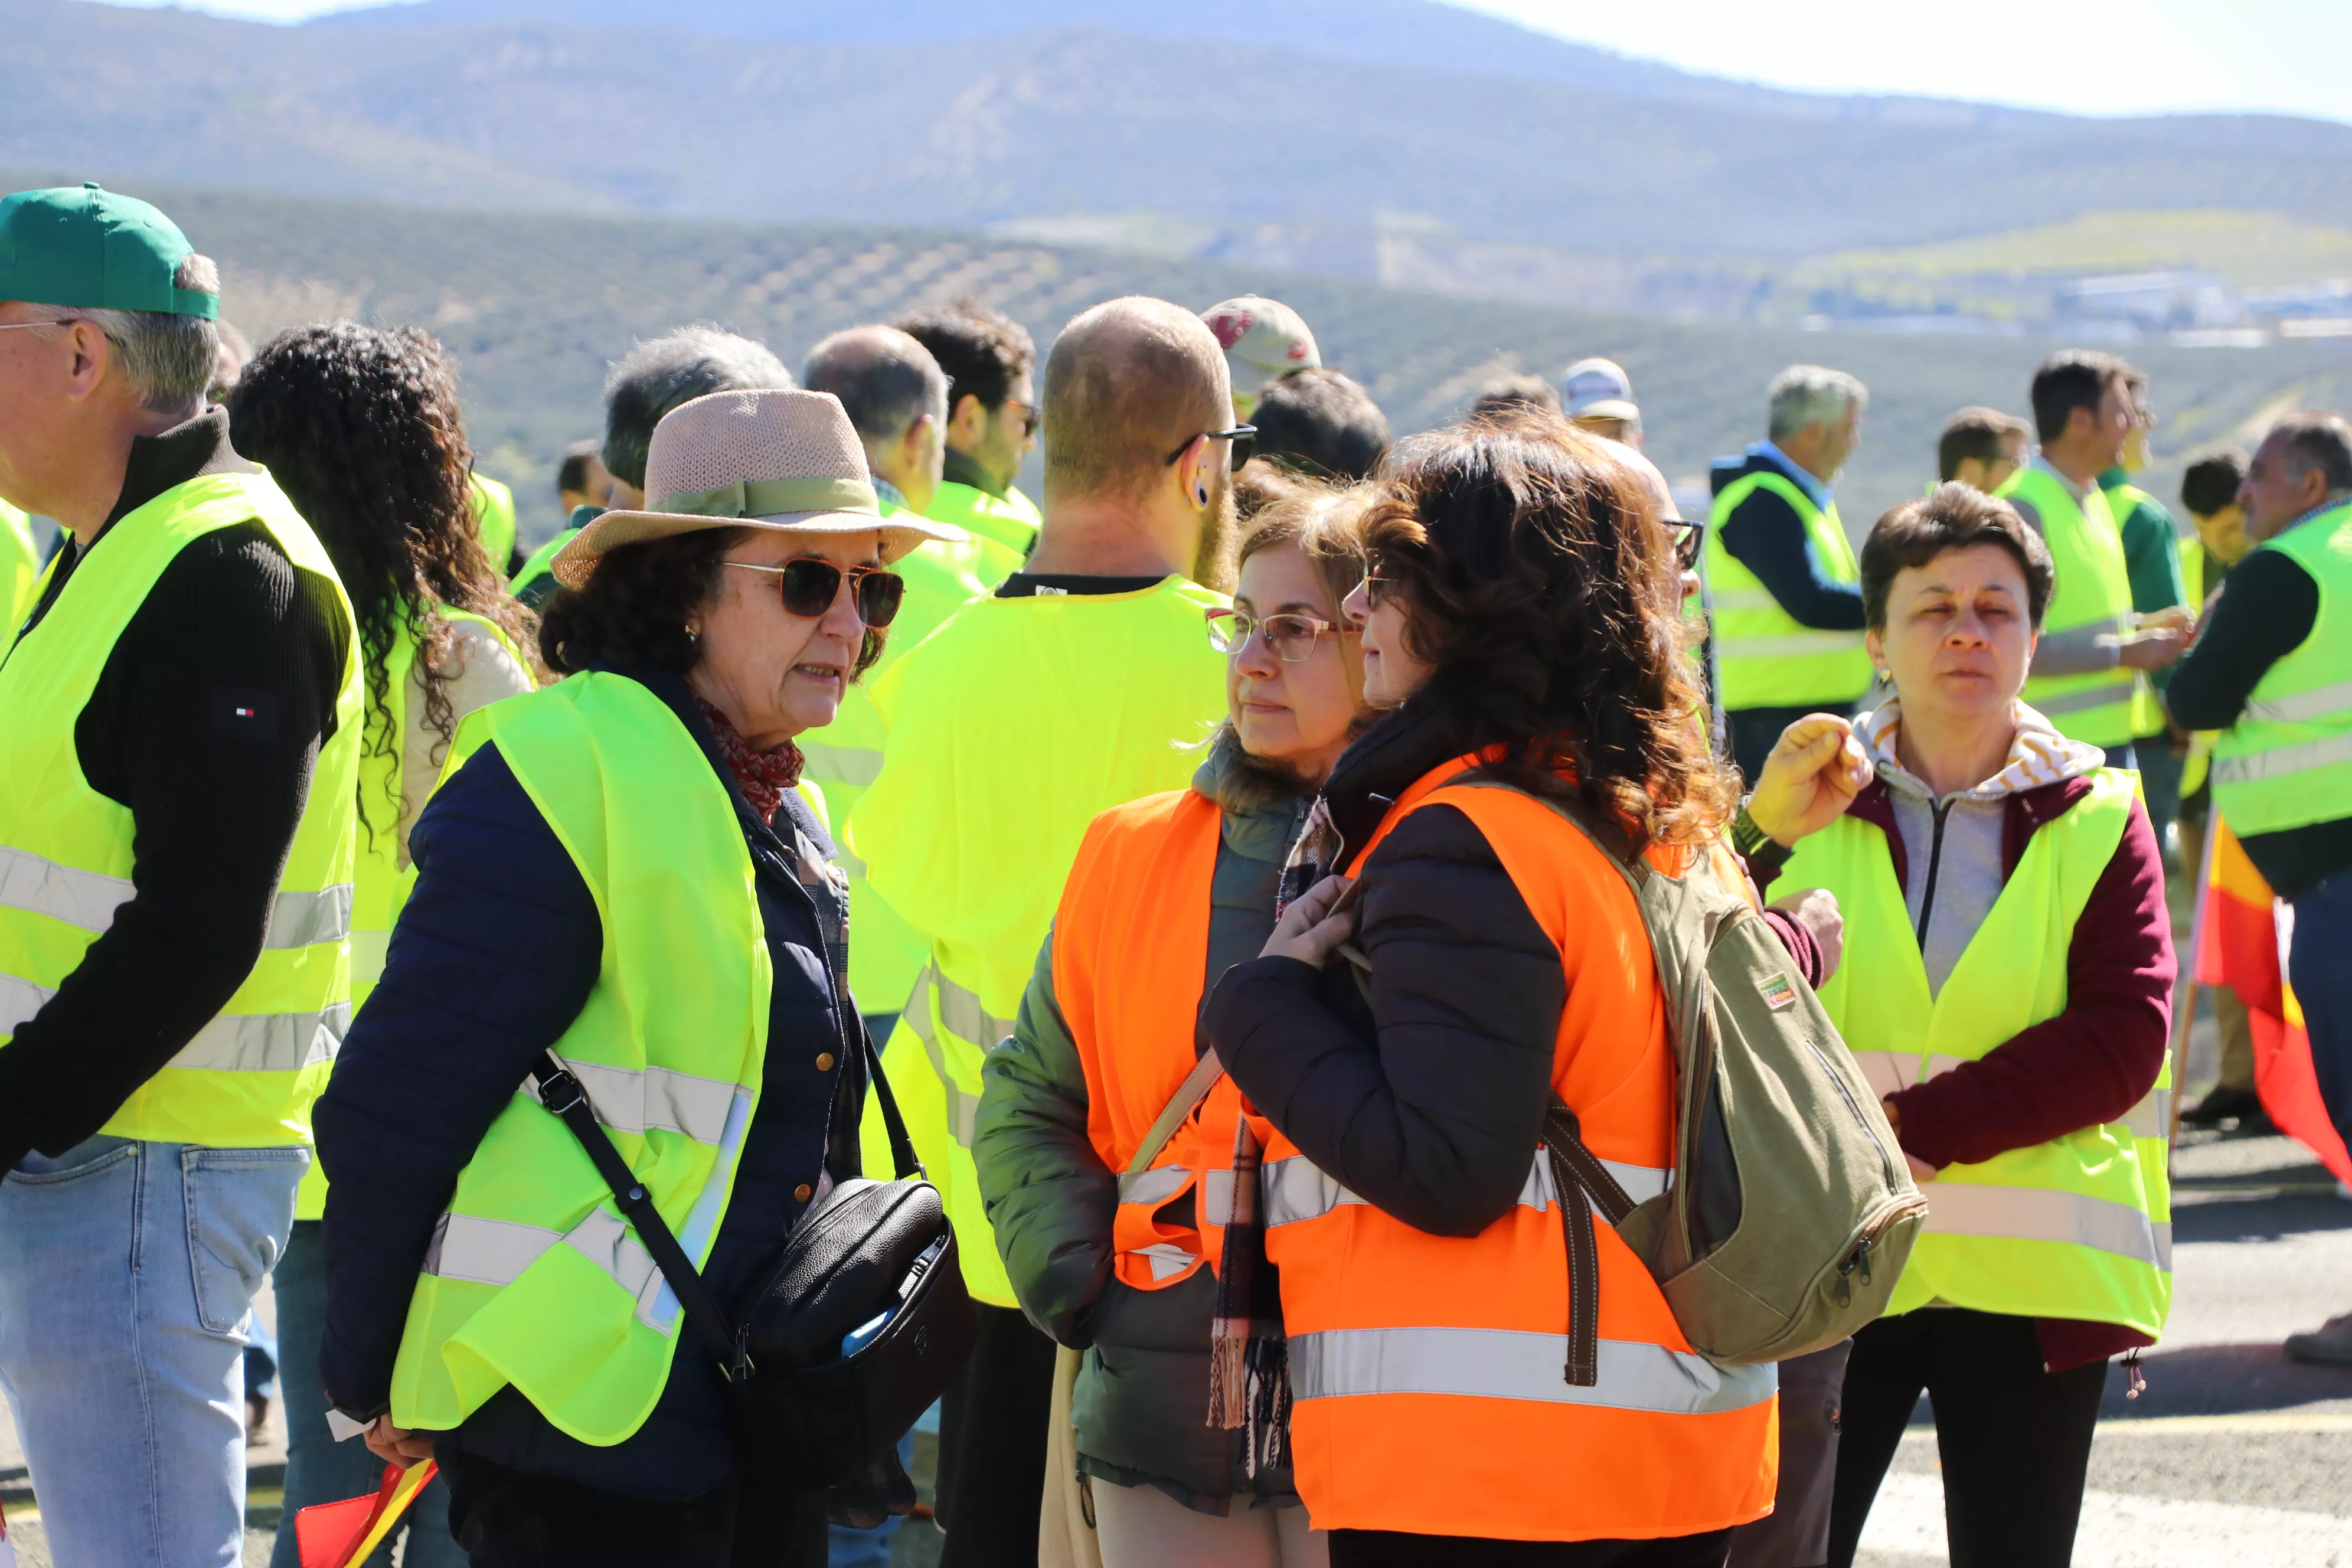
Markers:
point(2038, 1213)
point(855, 765)
point(369, 950)
point(2152, 1117)
point(2118, 690)
point(1792, 645)
point(1503, 1363)
point(497, 1251)
point(232, 1042)
point(2278, 762)
point(19, 1000)
point(305, 919)
point(2317, 703)
point(1745, 599)
point(1167, 1259)
point(964, 1016)
point(1158, 1184)
point(1296, 1189)
point(484, 1251)
point(266, 1042)
point(633, 1101)
point(87, 899)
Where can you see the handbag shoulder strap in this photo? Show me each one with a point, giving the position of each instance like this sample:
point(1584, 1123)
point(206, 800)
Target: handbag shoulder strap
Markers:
point(564, 1094)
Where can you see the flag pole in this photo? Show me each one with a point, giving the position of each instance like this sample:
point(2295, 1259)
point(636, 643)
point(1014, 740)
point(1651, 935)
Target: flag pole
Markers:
point(2184, 1014)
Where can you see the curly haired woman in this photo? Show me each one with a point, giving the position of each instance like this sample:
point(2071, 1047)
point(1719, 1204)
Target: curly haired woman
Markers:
point(359, 427)
point(1520, 623)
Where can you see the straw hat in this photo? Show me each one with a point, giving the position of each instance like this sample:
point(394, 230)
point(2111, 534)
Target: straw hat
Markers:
point(789, 462)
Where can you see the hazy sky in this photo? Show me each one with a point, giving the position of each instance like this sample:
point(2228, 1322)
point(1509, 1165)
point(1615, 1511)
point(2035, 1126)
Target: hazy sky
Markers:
point(2092, 57)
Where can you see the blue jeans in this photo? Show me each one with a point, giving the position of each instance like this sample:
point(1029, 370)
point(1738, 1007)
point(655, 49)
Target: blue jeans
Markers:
point(126, 1277)
point(318, 1468)
point(2322, 984)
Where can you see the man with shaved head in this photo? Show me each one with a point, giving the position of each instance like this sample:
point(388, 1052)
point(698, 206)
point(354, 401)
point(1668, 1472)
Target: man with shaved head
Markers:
point(1081, 683)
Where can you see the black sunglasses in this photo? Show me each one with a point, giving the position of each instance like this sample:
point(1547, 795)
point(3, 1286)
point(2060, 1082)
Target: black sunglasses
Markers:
point(1243, 436)
point(1687, 538)
point(810, 586)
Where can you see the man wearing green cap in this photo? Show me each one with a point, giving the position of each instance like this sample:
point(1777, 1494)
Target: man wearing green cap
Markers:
point(179, 734)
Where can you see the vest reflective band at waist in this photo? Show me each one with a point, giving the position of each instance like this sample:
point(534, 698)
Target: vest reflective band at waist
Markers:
point(2101, 708)
point(1497, 1363)
point(669, 1045)
point(1767, 658)
point(1430, 1372)
point(248, 1077)
point(2079, 1227)
point(2287, 761)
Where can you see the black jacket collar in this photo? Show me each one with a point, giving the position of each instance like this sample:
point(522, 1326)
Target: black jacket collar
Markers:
point(961, 470)
point(1405, 742)
point(186, 451)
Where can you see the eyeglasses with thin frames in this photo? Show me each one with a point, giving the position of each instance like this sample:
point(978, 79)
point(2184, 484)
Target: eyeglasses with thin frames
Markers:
point(1290, 636)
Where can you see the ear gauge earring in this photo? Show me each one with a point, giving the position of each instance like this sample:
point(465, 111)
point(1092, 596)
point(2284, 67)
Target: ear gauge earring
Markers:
point(1200, 494)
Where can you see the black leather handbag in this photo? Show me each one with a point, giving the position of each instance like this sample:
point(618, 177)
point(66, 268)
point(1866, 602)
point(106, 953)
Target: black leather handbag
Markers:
point(876, 1261)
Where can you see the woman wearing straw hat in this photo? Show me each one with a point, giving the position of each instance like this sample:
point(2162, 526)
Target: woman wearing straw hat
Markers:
point(617, 869)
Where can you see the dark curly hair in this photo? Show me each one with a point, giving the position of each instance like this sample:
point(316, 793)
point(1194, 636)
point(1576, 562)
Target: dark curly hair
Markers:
point(1542, 591)
point(632, 613)
point(361, 427)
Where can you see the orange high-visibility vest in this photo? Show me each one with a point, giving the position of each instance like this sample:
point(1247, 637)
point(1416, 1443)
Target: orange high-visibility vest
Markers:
point(1426, 1371)
point(1130, 958)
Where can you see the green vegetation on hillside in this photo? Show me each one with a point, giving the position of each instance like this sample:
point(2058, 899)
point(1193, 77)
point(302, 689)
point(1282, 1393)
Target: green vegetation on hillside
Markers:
point(537, 307)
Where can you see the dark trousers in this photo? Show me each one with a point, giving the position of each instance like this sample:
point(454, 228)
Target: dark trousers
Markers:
point(2015, 1440)
point(1395, 1549)
point(512, 1518)
point(2322, 984)
point(1756, 730)
point(993, 1444)
point(1796, 1533)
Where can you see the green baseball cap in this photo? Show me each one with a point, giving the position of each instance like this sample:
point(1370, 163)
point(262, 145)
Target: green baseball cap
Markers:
point(91, 249)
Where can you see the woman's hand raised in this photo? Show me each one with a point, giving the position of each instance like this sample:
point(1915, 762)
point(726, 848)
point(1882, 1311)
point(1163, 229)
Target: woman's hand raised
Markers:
point(1811, 776)
point(1318, 922)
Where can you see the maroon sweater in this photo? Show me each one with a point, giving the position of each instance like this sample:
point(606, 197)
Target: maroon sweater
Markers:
point(2089, 1064)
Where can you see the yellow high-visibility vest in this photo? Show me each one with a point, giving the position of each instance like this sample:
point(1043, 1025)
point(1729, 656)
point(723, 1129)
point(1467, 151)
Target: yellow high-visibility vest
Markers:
point(2079, 1227)
point(2105, 707)
point(1766, 657)
point(2287, 761)
point(534, 1279)
point(248, 1077)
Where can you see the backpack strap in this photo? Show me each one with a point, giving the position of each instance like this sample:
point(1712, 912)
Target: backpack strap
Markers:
point(1189, 1093)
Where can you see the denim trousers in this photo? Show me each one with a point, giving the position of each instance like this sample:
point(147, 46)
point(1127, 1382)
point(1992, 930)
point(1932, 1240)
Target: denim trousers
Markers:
point(318, 1468)
point(2322, 978)
point(127, 1274)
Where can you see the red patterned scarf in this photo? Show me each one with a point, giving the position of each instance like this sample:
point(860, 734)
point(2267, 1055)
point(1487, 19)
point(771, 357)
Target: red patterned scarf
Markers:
point(764, 776)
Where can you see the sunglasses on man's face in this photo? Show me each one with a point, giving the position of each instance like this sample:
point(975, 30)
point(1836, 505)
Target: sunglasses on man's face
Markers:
point(810, 586)
point(1028, 416)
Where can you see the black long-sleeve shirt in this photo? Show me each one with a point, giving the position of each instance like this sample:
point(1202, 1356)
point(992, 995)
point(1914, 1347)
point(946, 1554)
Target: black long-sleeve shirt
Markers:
point(205, 721)
point(2267, 610)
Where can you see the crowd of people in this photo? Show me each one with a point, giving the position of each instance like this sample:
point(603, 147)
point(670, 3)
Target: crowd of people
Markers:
point(1227, 871)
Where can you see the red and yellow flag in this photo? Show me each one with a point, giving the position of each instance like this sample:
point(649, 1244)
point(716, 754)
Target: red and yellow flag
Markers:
point(2241, 946)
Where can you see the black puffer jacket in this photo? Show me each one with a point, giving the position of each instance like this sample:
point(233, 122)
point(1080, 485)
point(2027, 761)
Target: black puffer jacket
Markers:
point(1432, 1117)
point(1142, 1395)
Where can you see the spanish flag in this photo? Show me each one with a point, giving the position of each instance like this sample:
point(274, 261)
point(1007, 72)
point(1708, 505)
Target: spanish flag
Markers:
point(2242, 937)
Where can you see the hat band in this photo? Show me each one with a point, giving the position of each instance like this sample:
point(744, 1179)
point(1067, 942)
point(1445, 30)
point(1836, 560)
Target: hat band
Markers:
point(770, 498)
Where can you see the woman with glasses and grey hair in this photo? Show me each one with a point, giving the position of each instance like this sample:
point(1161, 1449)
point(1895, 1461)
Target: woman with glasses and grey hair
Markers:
point(1111, 1235)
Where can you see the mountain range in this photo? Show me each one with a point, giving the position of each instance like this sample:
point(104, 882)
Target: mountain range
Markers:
point(1347, 120)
